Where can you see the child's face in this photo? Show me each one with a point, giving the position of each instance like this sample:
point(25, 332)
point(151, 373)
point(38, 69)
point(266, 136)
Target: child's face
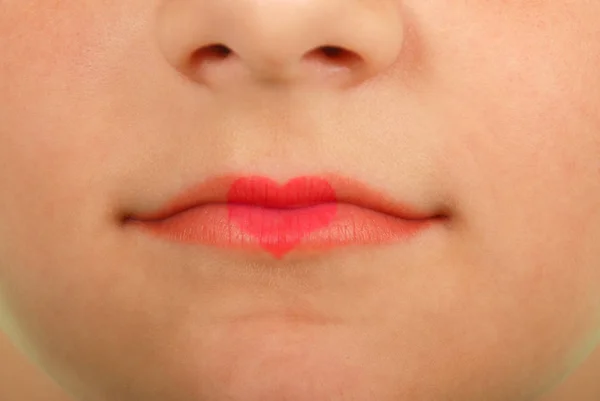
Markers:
point(485, 112)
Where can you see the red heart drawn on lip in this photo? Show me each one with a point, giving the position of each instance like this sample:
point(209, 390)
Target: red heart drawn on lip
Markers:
point(280, 216)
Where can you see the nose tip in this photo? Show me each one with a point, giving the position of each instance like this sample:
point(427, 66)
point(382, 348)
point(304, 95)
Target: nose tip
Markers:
point(221, 42)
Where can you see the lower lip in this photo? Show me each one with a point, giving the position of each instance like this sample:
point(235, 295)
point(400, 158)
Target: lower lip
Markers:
point(283, 230)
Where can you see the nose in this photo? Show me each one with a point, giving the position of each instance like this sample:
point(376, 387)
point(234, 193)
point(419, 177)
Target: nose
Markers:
point(223, 42)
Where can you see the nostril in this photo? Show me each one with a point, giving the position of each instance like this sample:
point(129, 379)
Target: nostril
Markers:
point(335, 55)
point(212, 52)
point(220, 50)
point(332, 51)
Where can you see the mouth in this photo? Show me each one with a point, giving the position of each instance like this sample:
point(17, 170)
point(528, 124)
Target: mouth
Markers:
point(306, 213)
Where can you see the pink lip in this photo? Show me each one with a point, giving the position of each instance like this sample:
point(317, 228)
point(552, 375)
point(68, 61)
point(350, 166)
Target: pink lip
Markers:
point(308, 212)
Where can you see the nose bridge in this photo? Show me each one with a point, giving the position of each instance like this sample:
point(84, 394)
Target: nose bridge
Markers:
point(280, 40)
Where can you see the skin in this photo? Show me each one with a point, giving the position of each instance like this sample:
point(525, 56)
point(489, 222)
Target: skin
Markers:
point(487, 110)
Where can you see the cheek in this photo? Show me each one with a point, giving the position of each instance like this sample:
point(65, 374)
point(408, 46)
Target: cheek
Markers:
point(53, 154)
point(53, 138)
point(524, 103)
point(525, 149)
point(523, 97)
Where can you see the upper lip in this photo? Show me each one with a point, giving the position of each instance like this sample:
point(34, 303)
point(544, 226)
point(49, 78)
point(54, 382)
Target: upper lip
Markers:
point(347, 190)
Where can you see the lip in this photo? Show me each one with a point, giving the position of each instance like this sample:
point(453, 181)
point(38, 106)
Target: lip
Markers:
point(307, 212)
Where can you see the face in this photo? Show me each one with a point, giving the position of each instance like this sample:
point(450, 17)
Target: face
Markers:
point(482, 115)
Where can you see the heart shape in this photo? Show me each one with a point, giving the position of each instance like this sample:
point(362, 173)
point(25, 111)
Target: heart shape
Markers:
point(280, 216)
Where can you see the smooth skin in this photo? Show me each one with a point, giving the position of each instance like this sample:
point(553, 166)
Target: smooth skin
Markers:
point(486, 110)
